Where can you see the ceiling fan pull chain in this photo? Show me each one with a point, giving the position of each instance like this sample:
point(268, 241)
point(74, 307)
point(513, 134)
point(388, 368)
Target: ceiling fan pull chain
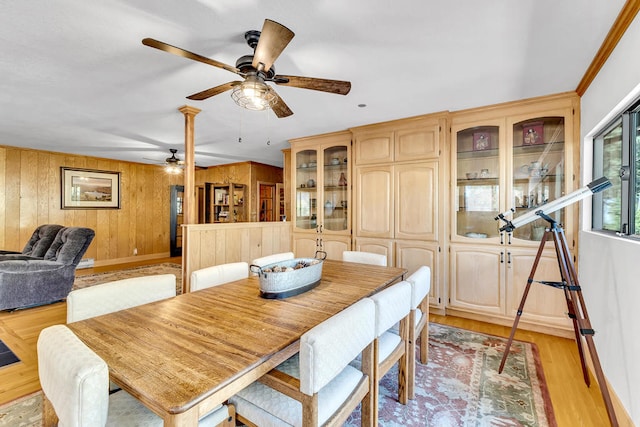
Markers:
point(268, 126)
point(240, 129)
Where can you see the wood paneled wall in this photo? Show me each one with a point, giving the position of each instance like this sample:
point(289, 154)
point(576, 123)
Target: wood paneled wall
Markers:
point(214, 244)
point(30, 196)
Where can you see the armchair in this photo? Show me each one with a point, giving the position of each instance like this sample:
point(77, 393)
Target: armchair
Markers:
point(27, 281)
point(39, 243)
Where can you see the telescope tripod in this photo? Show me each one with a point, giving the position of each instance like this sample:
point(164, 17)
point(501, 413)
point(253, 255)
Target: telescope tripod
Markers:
point(577, 310)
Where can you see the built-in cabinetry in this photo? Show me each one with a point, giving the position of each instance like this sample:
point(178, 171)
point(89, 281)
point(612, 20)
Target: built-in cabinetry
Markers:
point(516, 157)
point(321, 194)
point(399, 176)
point(225, 202)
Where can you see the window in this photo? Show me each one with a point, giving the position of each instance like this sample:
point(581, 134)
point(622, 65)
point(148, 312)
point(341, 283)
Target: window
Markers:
point(616, 154)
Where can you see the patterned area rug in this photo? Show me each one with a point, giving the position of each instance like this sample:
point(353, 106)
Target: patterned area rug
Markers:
point(165, 268)
point(460, 386)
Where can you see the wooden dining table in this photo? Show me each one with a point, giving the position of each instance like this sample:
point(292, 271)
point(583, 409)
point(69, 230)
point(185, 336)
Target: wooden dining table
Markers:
point(183, 356)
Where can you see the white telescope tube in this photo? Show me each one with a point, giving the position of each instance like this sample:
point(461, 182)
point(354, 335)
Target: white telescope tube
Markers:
point(581, 193)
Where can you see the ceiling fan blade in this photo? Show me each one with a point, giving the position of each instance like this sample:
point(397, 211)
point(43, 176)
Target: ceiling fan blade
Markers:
point(186, 54)
point(213, 91)
point(274, 38)
point(323, 85)
point(280, 108)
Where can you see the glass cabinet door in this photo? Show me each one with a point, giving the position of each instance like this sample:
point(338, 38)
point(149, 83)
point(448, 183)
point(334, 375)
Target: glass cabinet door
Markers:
point(306, 200)
point(477, 182)
point(335, 201)
point(538, 152)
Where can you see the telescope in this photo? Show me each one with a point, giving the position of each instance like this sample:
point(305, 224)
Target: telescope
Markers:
point(548, 208)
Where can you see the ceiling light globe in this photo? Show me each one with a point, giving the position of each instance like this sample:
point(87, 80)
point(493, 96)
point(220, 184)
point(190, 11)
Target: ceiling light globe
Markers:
point(254, 94)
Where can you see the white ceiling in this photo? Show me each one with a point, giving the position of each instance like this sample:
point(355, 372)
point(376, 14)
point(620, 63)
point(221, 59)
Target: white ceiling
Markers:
point(75, 77)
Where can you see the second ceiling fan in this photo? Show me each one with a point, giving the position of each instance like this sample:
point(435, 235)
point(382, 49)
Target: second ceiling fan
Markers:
point(253, 93)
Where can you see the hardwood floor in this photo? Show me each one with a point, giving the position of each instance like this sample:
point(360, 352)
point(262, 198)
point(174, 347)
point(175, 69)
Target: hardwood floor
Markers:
point(574, 403)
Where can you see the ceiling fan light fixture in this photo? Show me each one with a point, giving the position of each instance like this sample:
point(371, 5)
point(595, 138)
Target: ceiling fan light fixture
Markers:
point(254, 94)
point(173, 169)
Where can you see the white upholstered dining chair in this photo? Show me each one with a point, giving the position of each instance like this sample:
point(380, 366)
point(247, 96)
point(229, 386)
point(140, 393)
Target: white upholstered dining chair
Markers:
point(364, 257)
point(218, 274)
point(418, 321)
point(75, 384)
point(393, 306)
point(270, 259)
point(118, 295)
point(319, 376)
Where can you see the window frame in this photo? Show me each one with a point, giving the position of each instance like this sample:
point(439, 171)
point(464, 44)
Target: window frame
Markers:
point(629, 120)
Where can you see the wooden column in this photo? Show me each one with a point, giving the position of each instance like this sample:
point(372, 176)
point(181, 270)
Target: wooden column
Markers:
point(189, 201)
point(189, 205)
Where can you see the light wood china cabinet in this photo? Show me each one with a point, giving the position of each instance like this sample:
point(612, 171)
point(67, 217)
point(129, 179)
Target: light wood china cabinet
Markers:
point(399, 177)
point(321, 194)
point(512, 156)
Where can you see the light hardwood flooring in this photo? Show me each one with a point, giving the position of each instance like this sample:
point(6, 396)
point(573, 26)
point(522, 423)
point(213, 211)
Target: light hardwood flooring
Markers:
point(574, 403)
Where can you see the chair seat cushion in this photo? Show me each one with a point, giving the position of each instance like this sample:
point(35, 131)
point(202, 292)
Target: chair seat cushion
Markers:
point(267, 407)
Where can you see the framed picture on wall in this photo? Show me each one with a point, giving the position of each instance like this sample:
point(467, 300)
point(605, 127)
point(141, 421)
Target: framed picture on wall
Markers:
point(89, 189)
point(481, 141)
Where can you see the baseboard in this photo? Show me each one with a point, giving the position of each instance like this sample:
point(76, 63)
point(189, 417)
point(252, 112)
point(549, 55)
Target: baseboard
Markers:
point(135, 258)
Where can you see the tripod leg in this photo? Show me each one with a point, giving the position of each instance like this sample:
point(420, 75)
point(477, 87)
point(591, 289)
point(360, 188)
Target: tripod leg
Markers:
point(515, 324)
point(584, 326)
point(522, 301)
point(576, 329)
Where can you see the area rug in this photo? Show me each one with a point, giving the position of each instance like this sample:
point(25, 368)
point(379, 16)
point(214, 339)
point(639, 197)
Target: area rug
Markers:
point(146, 270)
point(460, 386)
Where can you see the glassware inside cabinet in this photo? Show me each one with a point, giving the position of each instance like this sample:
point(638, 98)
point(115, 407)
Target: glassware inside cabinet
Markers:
point(306, 203)
point(477, 183)
point(336, 194)
point(538, 171)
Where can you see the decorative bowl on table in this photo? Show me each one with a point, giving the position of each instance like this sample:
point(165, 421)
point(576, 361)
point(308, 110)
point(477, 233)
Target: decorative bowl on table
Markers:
point(285, 279)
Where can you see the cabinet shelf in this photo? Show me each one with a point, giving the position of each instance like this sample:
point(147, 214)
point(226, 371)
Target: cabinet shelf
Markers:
point(478, 181)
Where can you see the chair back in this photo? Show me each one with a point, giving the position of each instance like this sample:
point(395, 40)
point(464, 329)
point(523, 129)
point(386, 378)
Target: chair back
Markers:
point(364, 257)
point(218, 274)
point(118, 295)
point(420, 284)
point(270, 259)
point(69, 245)
point(392, 305)
point(328, 348)
point(41, 240)
point(73, 378)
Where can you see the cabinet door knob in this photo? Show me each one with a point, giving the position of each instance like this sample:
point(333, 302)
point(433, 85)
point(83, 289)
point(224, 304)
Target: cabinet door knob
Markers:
point(501, 257)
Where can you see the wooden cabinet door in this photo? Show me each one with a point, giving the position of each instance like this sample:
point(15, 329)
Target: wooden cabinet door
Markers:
point(374, 201)
point(416, 201)
point(372, 148)
point(377, 246)
point(477, 279)
point(420, 143)
point(544, 304)
point(335, 245)
point(412, 254)
point(305, 245)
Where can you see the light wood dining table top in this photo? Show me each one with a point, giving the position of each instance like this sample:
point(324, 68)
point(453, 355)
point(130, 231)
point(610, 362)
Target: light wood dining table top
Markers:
point(183, 356)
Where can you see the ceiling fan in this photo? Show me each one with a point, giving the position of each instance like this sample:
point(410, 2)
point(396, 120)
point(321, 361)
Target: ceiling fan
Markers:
point(173, 163)
point(253, 93)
